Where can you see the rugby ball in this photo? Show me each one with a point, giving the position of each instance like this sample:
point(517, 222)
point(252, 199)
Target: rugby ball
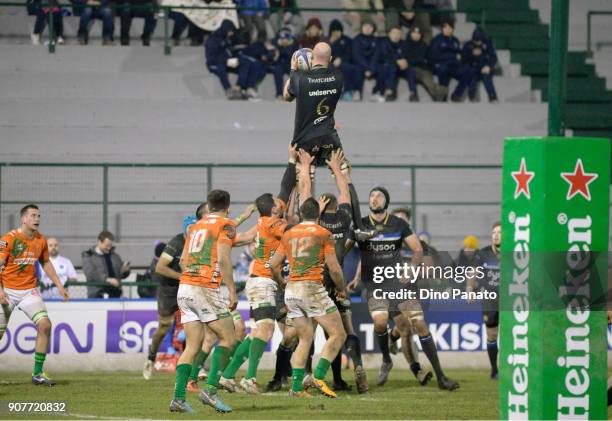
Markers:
point(304, 58)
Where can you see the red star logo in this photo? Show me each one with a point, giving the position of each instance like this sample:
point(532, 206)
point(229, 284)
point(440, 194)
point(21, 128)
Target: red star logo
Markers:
point(579, 181)
point(522, 178)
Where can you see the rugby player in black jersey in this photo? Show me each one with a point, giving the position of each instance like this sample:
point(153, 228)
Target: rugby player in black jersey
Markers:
point(317, 92)
point(382, 250)
point(488, 258)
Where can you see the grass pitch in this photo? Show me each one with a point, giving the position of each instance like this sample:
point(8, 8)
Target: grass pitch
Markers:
point(126, 395)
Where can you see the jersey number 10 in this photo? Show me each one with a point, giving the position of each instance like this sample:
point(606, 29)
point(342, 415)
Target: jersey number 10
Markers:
point(197, 241)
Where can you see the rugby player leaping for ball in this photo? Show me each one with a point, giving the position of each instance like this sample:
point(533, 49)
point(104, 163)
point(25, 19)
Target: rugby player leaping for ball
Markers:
point(317, 92)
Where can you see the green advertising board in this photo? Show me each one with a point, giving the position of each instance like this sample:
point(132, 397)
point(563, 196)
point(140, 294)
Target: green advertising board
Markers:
point(553, 324)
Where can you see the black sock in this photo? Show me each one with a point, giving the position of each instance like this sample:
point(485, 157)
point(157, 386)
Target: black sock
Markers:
point(415, 368)
point(394, 337)
point(492, 351)
point(283, 357)
point(429, 348)
point(309, 361)
point(353, 346)
point(383, 343)
point(336, 367)
point(152, 355)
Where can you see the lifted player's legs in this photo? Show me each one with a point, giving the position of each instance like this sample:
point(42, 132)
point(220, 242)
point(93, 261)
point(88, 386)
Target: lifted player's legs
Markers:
point(353, 346)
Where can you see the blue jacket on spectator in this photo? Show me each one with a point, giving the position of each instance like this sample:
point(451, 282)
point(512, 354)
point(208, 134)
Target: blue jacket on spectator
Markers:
point(254, 4)
point(343, 47)
point(443, 50)
point(479, 52)
point(287, 45)
point(218, 45)
point(366, 52)
point(390, 51)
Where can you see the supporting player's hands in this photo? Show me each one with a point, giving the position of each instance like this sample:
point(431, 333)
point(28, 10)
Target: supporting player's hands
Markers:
point(294, 65)
point(293, 152)
point(341, 294)
point(305, 159)
point(335, 160)
point(323, 202)
point(4, 298)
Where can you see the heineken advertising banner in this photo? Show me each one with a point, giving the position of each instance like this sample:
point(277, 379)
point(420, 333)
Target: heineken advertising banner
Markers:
point(555, 216)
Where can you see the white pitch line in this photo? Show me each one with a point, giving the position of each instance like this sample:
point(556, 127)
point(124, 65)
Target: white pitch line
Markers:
point(98, 417)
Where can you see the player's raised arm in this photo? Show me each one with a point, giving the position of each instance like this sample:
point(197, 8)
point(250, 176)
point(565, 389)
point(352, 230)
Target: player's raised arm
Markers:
point(291, 86)
point(246, 214)
point(289, 177)
point(335, 164)
point(304, 181)
point(412, 241)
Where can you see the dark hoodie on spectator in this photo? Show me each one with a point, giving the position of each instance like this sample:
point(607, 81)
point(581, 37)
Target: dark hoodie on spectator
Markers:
point(366, 50)
point(218, 45)
point(390, 51)
point(444, 50)
point(416, 53)
point(488, 56)
point(286, 52)
point(342, 47)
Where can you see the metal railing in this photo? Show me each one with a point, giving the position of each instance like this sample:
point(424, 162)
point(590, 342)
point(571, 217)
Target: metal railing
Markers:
point(590, 15)
point(166, 14)
point(209, 168)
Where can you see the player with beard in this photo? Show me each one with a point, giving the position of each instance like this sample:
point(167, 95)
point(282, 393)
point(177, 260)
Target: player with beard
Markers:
point(488, 258)
point(383, 249)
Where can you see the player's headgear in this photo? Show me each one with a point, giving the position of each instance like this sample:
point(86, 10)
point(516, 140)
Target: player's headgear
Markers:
point(385, 192)
point(188, 220)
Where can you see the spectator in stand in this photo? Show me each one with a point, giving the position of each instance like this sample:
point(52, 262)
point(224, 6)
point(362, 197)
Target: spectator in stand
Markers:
point(181, 21)
point(63, 267)
point(437, 18)
point(416, 54)
point(267, 61)
point(401, 13)
point(286, 44)
point(285, 14)
point(130, 9)
point(94, 9)
point(356, 18)
point(220, 60)
point(479, 54)
point(313, 34)
point(42, 17)
point(366, 57)
point(395, 65)
point(253, 20)
point(342, 56)
point(445, 57)
point(101, 264)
